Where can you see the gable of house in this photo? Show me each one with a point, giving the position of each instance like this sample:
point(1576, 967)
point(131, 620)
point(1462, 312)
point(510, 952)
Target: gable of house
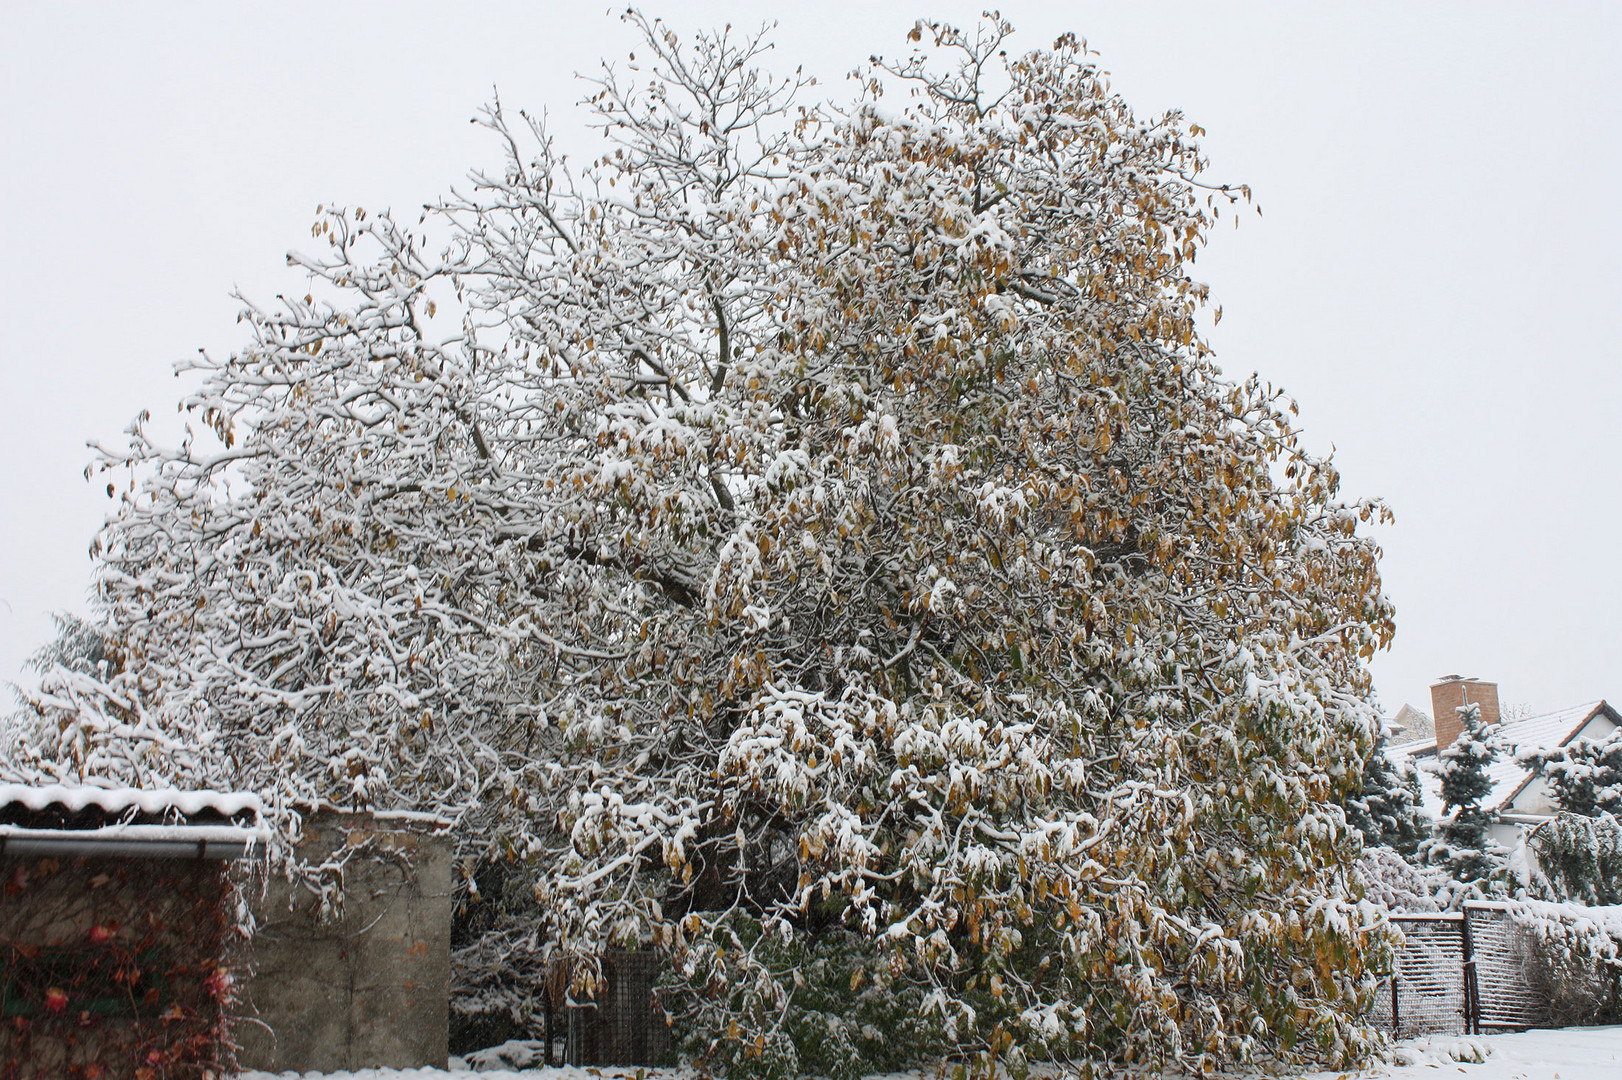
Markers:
point(1530, 795)
point(1516, 790)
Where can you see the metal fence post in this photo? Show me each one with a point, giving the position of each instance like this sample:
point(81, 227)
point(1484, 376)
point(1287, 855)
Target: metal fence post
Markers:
point(1396, 1008)
point(1472, 987)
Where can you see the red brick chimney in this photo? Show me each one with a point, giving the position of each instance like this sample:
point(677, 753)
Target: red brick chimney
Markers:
point(1452, 691)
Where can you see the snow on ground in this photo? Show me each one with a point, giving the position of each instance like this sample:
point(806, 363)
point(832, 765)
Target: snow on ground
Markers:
point(1585, 1053)
point(1593, 1053)
point(466, 1074)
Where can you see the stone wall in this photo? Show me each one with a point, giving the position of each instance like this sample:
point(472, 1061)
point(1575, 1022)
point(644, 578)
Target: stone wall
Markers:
point(370, 988)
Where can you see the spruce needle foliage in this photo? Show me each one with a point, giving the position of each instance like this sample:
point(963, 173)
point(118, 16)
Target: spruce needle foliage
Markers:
point(1585, 776)
point(1579, 859)
point(1579, 853)
point(1463, 843)
point(1386, 810)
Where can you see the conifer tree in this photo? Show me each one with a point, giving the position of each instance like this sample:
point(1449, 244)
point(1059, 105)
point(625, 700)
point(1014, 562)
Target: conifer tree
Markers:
point(1579, 853)
point(1579, 858)
point(1463, 843)
point(1386, 810)
point(1585, 776)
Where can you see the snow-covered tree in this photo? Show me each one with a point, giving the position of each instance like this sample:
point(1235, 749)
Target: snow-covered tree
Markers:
point(1386, 809)
point(1579, 853)
point(1585, 776)
point(808, 533)
point(326, 604)
point(1579, 858)
point(1463, 843)
point(79, 646)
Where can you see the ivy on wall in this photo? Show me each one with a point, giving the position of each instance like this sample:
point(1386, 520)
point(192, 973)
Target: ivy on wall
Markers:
point(115, 969)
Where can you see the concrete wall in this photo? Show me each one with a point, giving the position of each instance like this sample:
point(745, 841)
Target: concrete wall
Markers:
point(370, 989)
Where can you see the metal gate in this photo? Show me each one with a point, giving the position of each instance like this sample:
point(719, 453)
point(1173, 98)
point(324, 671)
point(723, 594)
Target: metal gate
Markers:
point(1460, 973)
point(625, 1025)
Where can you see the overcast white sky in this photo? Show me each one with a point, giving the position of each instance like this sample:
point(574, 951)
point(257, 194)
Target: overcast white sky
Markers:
point(1435, 278)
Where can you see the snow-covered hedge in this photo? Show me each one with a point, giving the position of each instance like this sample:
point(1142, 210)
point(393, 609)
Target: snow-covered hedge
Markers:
point(1578, 952)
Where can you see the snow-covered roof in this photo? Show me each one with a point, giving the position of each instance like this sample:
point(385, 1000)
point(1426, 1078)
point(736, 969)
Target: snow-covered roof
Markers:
point(1419, 748)
point(1542, 732)
point(86, 820)
point(1507, 778)
point(116, 802)
point(1549, 730)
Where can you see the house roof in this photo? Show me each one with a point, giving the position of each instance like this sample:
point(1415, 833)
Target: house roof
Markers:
point(1542, 732)
point(1550, 729)
point(1413, 723)
point(1419, 748)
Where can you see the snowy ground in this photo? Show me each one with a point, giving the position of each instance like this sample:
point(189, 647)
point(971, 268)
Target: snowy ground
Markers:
point(1565, 1054)
point(1588, 1053)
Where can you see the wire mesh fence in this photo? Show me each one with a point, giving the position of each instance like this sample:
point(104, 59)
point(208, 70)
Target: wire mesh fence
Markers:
point(1426, 993)
point(1465, 972)
point(1511, 990)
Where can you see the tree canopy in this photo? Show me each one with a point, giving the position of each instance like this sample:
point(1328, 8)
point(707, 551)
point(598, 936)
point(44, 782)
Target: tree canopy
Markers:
point(807, 531)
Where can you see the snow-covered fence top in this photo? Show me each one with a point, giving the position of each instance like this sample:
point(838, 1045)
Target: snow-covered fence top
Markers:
point(77, 820)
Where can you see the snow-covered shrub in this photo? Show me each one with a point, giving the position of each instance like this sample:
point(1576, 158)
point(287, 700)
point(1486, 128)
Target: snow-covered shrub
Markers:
point(1578, 854)
point(851, 1012)
point(1578, 958)
point(500, 982)
point(826, 519)
point(1394, 883)
point(1578, 859)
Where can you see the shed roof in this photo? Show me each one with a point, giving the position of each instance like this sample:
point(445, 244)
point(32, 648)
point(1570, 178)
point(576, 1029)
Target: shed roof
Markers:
point(118, 802)
point(83, 819)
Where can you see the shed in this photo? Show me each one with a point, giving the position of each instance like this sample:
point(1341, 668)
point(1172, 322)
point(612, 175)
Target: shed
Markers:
point(117, 930)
